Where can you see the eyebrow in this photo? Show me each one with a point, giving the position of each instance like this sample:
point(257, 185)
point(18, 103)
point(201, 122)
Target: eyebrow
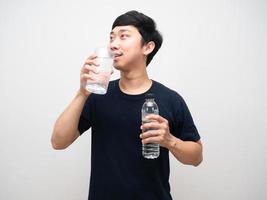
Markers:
point(120, 31)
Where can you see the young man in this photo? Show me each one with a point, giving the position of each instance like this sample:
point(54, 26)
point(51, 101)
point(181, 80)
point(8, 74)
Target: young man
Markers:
point(118, 169)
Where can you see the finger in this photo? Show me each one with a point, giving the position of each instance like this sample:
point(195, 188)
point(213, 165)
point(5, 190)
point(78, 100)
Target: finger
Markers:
point(87, 78)
point(92, 56)
point(151, 133)
point(84, 69)
point(156, 117)
point(88, 68)
point(151, 140)
point(151, 125)
point(84, 77)
point(91, 80)
point(91, 62)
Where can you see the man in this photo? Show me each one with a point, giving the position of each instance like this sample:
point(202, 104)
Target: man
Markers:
point(118, 169)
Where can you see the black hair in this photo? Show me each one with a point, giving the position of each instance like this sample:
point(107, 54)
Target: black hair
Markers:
point(146, 27)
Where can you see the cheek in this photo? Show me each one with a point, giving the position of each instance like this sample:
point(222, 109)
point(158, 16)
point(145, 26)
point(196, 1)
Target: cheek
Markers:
point(131, 48)
point(133, 43)
point(134, 49)
point(133, 54)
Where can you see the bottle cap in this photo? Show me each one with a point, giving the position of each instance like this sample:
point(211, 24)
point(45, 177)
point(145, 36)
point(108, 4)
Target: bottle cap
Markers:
point(149, 96)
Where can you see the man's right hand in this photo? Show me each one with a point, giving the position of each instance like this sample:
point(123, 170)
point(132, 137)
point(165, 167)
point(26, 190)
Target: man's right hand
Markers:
point(89, 67)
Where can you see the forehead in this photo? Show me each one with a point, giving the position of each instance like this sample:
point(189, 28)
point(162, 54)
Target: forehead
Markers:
point(120, 29)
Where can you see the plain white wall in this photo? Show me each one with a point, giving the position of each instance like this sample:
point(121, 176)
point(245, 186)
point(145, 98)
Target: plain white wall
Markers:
point(214, 54)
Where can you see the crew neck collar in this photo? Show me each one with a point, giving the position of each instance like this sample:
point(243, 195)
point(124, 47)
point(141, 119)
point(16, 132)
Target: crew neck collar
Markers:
point(134, 96)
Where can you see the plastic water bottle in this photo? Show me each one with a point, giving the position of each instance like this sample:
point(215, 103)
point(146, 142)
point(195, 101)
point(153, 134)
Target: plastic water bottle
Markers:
point(150, 150)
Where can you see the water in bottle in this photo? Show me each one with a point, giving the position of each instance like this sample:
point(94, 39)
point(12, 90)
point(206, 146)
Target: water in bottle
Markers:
point(150, 150)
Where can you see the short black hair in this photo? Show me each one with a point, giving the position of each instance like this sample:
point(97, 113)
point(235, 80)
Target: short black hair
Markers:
point(146, 27)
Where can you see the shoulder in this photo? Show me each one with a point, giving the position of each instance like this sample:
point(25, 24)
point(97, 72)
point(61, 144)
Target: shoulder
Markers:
point(112, 84)
point(169, 98)
point(112, 87)
point(165, 91)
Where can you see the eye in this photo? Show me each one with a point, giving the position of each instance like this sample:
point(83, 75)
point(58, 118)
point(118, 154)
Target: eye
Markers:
point(111, 38)
point(124, 36)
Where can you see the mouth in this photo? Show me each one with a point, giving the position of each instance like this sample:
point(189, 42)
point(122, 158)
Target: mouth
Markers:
point(118, 54)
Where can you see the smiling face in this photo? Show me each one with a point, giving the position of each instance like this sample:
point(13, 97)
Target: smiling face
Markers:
point(127, 47)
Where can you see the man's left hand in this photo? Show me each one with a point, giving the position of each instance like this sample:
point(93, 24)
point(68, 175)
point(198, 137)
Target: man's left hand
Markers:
point(156, 131)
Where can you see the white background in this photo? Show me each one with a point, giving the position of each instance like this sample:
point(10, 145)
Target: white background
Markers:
point(213, 54)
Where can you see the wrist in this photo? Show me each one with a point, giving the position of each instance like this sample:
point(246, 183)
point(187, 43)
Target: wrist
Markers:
point(173, 143)
point(83, 93)
point(81, 96)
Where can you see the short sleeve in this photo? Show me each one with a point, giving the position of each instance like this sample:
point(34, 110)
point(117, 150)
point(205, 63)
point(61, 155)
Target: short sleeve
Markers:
point(85, 121)
point(184, 127)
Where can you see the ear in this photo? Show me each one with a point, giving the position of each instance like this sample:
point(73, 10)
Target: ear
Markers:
point(148, 48)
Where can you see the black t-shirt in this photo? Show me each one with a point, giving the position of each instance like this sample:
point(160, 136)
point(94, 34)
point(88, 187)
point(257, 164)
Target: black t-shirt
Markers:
point(118, 169)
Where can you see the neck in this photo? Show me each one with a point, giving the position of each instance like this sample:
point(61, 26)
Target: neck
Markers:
point(135, 82)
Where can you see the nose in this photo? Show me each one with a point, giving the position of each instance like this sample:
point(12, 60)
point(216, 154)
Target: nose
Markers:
point(114, 44)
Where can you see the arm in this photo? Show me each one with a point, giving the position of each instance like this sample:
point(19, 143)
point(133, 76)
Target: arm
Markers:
point(65, 130)
point(66, 127)
point(187, 152)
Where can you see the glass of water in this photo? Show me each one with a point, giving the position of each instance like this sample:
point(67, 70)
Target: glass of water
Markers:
point(99, 82)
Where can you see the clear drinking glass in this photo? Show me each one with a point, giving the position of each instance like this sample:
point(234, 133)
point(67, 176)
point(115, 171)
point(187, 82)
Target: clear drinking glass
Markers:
point(100, 80)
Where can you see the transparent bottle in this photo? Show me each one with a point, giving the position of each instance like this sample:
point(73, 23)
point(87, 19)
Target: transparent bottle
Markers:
point(150, 150)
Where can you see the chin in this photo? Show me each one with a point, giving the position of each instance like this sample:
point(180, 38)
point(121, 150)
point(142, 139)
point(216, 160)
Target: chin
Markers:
point(117, 66)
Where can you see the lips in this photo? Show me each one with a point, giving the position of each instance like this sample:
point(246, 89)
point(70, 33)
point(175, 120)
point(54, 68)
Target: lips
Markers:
point(118, 54)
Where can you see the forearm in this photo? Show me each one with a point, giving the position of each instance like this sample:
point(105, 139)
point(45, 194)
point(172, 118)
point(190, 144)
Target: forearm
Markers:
point(66, 127)
point(187, 152)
